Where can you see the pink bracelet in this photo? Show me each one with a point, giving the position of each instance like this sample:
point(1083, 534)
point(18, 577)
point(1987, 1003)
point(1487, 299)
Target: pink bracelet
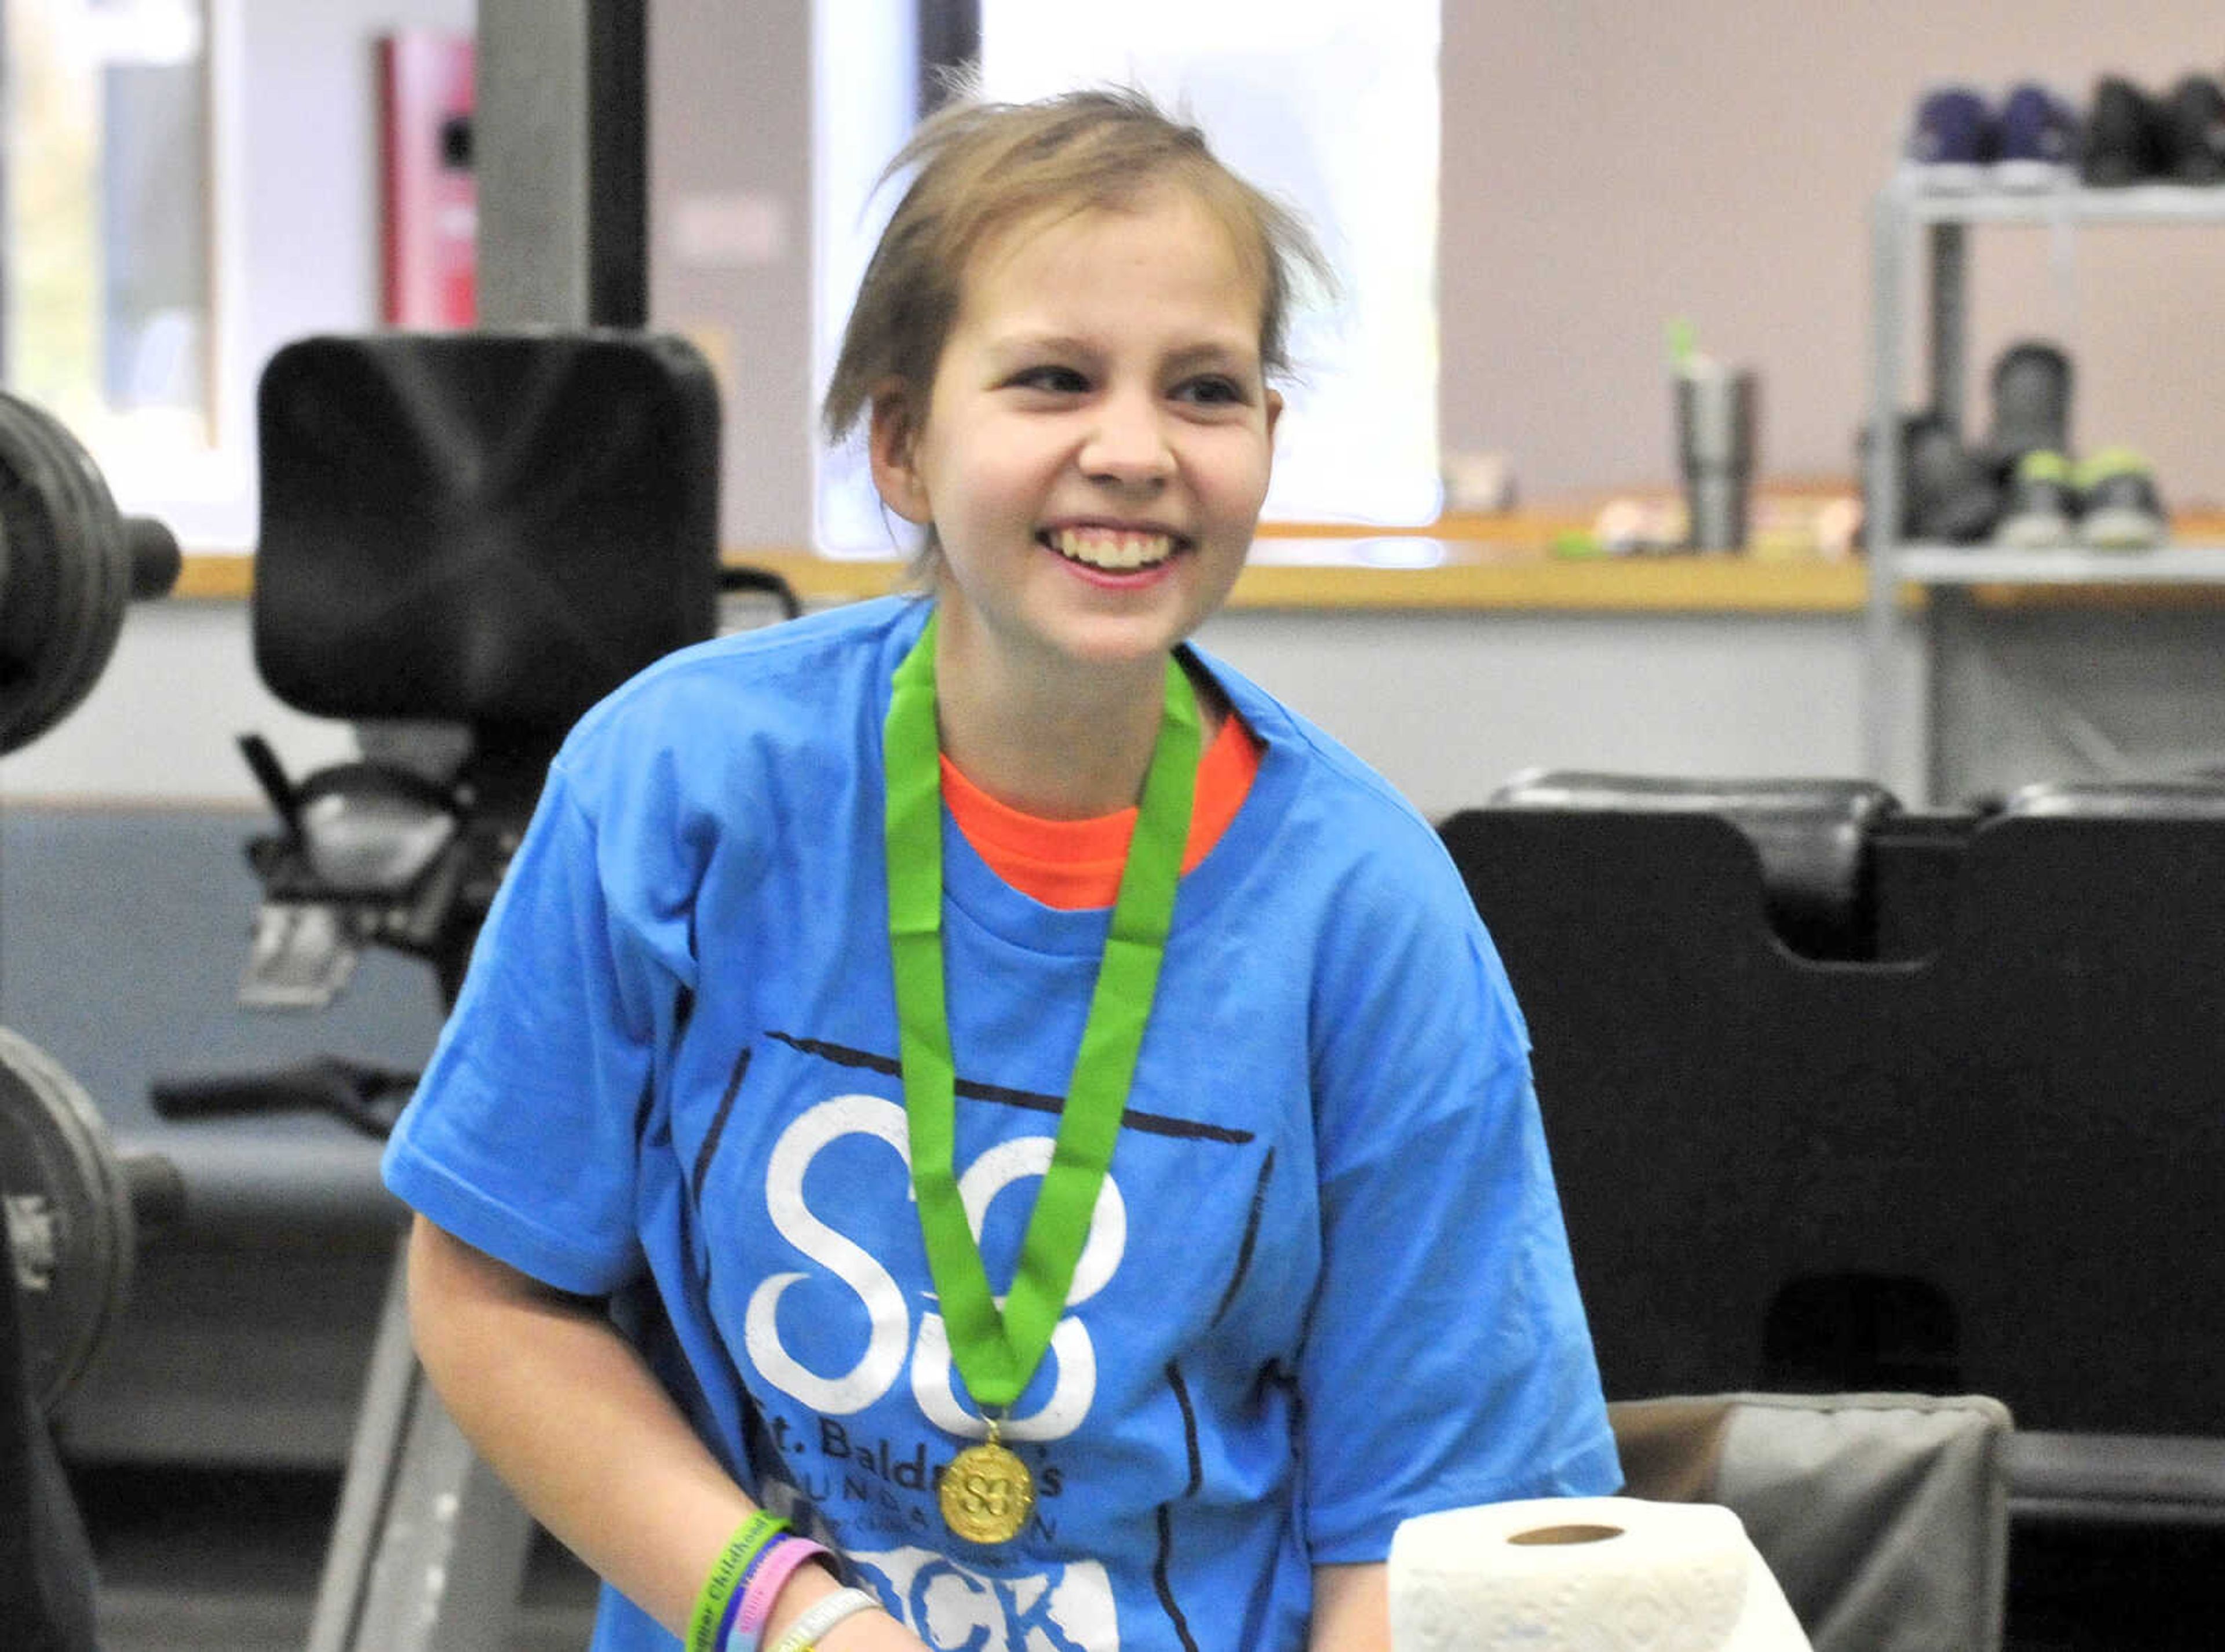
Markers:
point(767, 1578)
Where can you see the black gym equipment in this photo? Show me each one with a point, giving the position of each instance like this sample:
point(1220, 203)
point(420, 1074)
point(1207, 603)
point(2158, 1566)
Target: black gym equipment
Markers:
point(69, 564)
point(1983, 1154)
point(467, 539)
point(1812, 837)
point(484, 531)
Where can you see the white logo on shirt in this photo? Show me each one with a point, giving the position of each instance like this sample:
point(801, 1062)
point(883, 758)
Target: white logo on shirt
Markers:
point(954, 1610)
point(843, 1394)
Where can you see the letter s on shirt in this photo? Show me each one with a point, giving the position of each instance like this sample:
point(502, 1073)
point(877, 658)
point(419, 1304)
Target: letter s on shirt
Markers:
point(1023, 1159)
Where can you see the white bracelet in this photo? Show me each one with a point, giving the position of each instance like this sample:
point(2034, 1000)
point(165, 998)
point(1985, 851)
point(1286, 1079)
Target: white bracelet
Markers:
point(817, 1620)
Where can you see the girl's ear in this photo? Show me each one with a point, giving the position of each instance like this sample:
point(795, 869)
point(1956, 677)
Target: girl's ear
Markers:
point(892, 440)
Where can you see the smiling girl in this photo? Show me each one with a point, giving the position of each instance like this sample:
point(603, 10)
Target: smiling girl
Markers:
point(971, 1125)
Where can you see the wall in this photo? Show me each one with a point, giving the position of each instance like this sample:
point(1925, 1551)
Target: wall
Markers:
point(1610, 166)
point(731, 125)
point(1471, 699)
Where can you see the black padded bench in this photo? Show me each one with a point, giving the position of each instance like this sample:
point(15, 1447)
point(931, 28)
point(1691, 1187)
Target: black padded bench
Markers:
point(1985, 1157)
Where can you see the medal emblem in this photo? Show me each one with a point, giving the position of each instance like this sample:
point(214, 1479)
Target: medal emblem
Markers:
point(987, 1493)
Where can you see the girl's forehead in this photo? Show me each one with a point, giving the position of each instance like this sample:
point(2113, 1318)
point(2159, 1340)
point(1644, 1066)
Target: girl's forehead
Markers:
point(1052, 245)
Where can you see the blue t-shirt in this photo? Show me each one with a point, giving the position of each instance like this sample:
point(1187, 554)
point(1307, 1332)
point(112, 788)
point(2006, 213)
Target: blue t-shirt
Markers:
point(1326, 1286)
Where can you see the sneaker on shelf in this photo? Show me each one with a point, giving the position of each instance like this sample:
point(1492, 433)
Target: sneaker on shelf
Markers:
point(2193, 132)
point(2123, 137)
point(1953, 496)
point(2031, 383)
point(2041, 510)
point(2118, 509)
point(1954, 139)
point(2039, 140)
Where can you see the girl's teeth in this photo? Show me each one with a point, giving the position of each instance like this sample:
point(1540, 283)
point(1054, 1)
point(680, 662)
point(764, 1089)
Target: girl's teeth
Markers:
point(1118, 552)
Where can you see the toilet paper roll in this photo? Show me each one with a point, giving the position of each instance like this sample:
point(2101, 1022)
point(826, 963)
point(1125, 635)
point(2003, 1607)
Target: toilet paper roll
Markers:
point(1585, 1574)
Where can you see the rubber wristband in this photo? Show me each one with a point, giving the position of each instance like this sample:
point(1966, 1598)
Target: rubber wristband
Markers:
point(724, 1638)
point(735, 1633)
point(727, 1574)
point(804, 1633)
point(767, 1579)
point(721, 1637)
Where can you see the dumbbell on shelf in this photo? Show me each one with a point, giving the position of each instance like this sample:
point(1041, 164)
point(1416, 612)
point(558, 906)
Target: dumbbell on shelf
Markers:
point(76, 1214)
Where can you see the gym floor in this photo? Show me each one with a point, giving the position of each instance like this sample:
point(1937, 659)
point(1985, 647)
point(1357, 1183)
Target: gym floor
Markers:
point(228, 1561)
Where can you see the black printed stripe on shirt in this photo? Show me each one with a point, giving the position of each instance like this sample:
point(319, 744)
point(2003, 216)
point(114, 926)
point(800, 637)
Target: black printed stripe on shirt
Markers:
point(1149, 1124)
point(1161, 1564)
point(1250, 1235)
point(710, 1148)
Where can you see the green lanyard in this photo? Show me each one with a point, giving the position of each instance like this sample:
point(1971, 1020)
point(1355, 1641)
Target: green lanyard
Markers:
point(995, 1352)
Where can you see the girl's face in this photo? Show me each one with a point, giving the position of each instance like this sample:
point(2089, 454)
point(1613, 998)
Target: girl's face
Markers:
point(1095, 450)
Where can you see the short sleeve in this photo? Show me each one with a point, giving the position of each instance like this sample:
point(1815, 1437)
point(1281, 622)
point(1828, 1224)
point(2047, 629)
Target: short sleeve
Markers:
point(1447, 1360)
point(520, 1138)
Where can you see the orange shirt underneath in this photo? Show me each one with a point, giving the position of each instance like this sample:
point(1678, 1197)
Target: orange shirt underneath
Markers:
point(1076, 863)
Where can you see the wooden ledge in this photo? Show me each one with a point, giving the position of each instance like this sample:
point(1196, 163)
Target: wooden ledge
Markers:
point(1398, 574)
point(1474, 563)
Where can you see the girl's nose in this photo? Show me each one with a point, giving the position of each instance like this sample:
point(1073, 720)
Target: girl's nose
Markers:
point(1127, 443)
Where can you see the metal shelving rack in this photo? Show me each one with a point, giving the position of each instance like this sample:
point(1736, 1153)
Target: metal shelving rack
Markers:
point(1908, 214)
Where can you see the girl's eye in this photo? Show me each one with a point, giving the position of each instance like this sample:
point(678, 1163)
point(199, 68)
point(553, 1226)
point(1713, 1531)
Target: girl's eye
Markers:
point(1062, 381)
point(1212, 389)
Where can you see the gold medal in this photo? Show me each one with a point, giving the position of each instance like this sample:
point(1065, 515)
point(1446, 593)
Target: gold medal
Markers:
point(987, 1493)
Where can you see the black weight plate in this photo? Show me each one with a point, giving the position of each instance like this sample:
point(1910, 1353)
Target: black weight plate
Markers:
point(91, 577)
point(30, 632)
point(90, 567)
point(113, 549)
point(104, 573)
point(69, 1222)
point(41, 623)
point(39, 500)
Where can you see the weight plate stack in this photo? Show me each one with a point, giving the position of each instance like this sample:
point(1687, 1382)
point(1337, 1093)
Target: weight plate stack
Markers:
point(71, 1231)
point(66, 578)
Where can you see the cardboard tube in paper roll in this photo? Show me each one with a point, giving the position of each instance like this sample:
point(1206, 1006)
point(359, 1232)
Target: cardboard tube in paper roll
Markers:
point(1585, 1574)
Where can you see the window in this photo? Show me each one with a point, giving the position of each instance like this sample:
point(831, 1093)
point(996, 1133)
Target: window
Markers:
point(108, 315)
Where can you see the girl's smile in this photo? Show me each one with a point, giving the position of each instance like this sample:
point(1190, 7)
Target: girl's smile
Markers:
point(1112, 548)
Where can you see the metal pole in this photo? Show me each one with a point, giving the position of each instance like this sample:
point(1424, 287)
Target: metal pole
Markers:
point(1883, 484)
point(429, 1551)
point(561, 140)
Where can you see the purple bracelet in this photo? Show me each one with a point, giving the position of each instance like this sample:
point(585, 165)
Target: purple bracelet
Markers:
point(719, 1643)
point(774, 1566)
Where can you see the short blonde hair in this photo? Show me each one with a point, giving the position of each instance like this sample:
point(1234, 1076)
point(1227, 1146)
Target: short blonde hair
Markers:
point(983, 167)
